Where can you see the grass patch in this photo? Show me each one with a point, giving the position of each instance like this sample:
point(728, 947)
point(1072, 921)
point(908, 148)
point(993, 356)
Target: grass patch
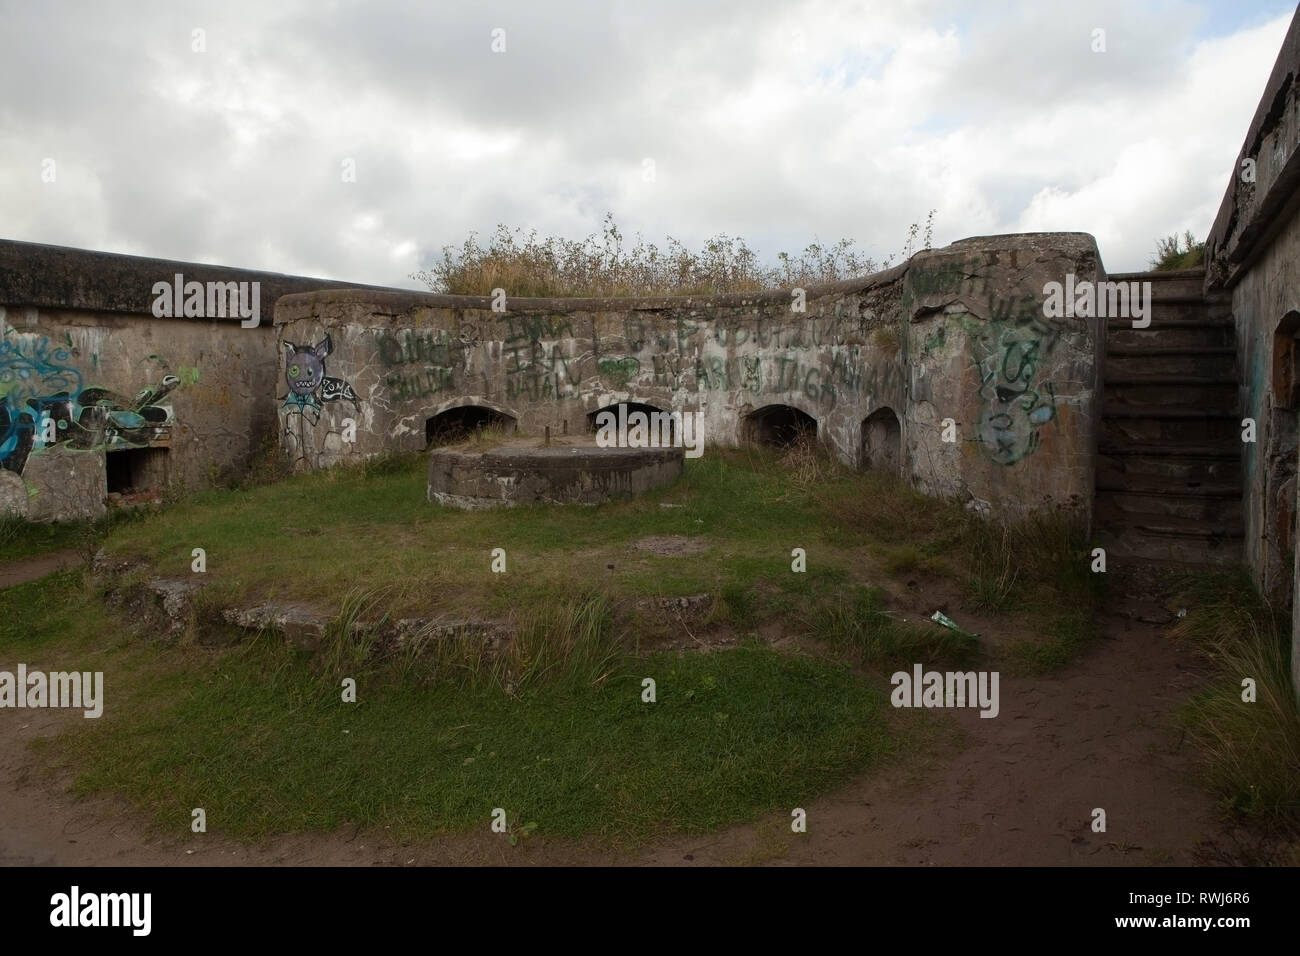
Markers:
point(1251, 750)
point(20, 538)
point(262, 740)
point(552, 729)
point(369, 526)
point(1038, 569)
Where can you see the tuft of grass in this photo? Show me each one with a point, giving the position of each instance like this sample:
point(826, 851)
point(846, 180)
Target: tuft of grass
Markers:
point(862, 625)
point(1251, 751)
point(568, 644)
point(887, 339)
point(806, 461)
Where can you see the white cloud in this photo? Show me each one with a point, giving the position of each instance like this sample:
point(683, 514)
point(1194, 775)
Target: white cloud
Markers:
point(772, 120)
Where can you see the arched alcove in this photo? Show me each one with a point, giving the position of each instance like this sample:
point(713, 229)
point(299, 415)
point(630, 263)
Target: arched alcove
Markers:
point(778, 425)
point(458, 423)
point(882, 441)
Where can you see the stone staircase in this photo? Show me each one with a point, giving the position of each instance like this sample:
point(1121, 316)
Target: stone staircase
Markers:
point(1169, 455)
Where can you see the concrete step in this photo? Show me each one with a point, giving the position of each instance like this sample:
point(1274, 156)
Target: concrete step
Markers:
point(1224, 450)
point(1181, 309)
point(1219, 512)
point(1180, 333)
point(1139, 427)
point(1203, 362)
point(1185, 282)
point(1196, 392)
point(1164, 312)
point(1137, 547)
point(1175, 473)
point(1108, 514)
point(1122, 482)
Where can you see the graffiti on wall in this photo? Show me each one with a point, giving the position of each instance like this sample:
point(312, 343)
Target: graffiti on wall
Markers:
point(43, 403)
point(535, 370)
point(309, 386)
point(1015, 400)
point(819, 358)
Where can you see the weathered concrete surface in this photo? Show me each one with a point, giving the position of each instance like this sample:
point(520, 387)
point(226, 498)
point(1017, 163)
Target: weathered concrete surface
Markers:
point(546, 363)
point(1264, 183)
point(1266, 313)
point(79, 344)
point(65, 485)
point(518, 474)
point(1021, 389)
point(13, 495)
point(1253, 250)
point(928, 340)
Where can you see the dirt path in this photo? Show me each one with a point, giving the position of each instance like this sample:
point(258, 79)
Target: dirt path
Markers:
point(1021, 790)
point(14, 573)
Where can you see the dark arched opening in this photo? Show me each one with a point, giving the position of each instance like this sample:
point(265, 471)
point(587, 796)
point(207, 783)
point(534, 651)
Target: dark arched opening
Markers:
point(779, 425)
point(457, 424)
point(658, 422)
point(882, 441)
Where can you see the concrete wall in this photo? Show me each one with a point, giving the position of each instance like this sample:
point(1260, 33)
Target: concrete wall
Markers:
point(1022, 389)
point(1253, 251)
point(93, 386)
point(956, 333)
point(544, 362)
point(878, 363)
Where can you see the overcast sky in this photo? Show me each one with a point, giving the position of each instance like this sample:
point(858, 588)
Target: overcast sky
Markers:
point(778, 121)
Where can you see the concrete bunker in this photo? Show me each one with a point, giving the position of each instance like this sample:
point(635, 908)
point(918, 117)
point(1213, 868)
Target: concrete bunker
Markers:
point(778, 425)
point(882, 440)
point(460, 422)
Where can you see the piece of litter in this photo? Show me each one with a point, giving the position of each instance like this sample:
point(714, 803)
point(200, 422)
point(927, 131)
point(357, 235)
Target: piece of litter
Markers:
point(940, 618)
point(1182, 612)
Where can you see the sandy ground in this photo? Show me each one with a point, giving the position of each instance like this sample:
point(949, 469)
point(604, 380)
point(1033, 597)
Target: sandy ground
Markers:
point(1020, 789)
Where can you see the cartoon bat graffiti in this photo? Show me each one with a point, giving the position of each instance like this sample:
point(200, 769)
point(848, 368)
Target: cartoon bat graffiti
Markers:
point(304, 370)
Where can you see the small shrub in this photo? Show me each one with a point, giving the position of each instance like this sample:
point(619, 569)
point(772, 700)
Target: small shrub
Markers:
point(1174, 252)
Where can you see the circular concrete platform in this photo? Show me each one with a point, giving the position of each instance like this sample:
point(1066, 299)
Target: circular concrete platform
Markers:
point(527, 471)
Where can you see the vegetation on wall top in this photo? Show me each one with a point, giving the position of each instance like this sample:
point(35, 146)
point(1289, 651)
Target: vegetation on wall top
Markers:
point(526, 265)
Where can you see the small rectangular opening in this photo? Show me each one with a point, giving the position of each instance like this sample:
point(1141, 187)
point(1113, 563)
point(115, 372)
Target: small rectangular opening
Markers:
point(133, 470)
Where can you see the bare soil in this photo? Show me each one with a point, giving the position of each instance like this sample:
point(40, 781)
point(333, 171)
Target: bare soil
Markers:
point(14, 573)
